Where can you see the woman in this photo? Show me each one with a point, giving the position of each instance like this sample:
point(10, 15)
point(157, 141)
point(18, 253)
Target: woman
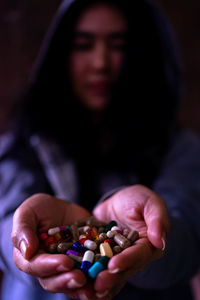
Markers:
point(99, 122)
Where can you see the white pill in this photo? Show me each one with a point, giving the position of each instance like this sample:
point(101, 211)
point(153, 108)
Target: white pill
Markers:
point(90, 245)
point(110, 234)
point(53, 231)
point(88, 256)
point(115, 228)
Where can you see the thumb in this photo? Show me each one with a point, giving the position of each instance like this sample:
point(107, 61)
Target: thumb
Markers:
point(101, 211)
point(23, 234)
point(157, 220)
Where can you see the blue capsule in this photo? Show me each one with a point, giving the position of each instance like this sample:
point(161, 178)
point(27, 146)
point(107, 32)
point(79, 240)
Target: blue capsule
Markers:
point(78, 247)
point(87, 261)
point(98, 266)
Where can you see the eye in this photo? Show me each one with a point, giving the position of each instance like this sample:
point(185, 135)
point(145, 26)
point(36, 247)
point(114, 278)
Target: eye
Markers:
point(118, 45)
point(82, 44)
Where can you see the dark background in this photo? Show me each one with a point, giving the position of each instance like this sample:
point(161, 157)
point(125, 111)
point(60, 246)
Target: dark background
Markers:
point(22, 27)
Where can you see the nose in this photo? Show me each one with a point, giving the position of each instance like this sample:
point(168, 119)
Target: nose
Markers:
point(100, 58)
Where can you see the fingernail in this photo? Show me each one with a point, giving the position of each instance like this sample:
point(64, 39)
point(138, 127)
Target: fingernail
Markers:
point(101, 295)
point(164, 244)
point(73, 284)
point(114, 271)
point(62, 268)
point(23, 247)
point(83, 297)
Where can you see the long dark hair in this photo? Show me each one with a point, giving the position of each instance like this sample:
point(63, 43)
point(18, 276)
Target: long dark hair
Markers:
point(142, 114)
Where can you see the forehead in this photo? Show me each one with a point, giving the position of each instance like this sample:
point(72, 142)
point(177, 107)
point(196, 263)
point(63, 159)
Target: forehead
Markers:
point(104, 18)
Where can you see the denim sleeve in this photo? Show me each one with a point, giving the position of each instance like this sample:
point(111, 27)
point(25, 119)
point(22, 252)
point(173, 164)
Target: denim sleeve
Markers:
point(179, 185)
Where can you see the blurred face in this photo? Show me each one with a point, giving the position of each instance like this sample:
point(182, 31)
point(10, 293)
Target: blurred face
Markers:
point(97, 53)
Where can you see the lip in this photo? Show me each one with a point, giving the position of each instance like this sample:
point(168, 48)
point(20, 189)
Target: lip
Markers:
point(100, 87)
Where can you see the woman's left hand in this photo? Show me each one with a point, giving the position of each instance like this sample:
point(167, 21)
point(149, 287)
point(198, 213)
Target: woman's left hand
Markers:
point(139, 208)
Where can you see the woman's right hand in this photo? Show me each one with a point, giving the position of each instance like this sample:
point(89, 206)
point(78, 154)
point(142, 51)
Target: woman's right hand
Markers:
point(56, 272)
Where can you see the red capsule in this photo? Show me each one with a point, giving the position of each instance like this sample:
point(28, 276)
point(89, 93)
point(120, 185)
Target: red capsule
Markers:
point(50, 240)
point(43, 236)
point(82, 241)
point(110, 242)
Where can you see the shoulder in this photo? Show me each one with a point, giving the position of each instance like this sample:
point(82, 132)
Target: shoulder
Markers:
point(21, 173)
point(185, 143)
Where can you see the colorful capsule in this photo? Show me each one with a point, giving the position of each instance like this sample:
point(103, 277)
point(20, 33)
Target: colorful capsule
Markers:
point(74, 231)
point(122, 241)
point(116, 249)
point(72, 252)
point(91, 245)
point(133, 236)
point(117, 229)
point(43, 236)
point(110, 242)
point(53, 248)
point(82, 236)
point(50, 240)
point(100, 230)
point(102, 237)
point(92, 234)
point(126, 232)
point(76, 257)
point(98, 266)
point(110, 225)
point(53, 230)
point(66, 235)
point(63, 247)
point(110, 234)
point(58, 236)
point(87, 261)
point(105, 250)
point(77, 246)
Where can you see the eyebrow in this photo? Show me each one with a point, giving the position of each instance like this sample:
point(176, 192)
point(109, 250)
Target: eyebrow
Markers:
point(89, 35)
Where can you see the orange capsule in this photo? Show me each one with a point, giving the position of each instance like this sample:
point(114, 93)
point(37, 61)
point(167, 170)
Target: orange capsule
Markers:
point(58, 236)
point(92, 234)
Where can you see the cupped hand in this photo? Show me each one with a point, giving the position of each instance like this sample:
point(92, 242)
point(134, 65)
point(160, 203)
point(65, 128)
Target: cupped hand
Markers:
point(55, 272)
point(139, 208)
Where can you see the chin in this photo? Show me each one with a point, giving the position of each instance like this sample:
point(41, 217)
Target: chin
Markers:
point(97, 105)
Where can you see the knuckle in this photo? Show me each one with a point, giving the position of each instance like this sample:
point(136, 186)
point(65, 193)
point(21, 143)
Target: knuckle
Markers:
point(21, 263)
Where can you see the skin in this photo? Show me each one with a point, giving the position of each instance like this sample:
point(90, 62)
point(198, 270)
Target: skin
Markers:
point(95, 62)
point(97, 54)
point(142, 210)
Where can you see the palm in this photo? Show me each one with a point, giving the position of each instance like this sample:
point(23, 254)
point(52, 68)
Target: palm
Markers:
point(49, 211)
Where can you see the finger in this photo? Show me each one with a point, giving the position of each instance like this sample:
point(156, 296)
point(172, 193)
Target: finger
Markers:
point(134, 258)
point(64, 282)
point(23, 234)
point(102, 212)
point(42, 264)
point(157, 220)
point(107, 285)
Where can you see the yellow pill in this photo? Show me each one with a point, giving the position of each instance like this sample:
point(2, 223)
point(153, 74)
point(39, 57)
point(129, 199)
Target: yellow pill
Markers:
point(105, 250)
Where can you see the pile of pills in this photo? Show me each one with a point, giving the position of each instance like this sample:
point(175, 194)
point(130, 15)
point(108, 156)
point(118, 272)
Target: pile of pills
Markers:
point(89, 242)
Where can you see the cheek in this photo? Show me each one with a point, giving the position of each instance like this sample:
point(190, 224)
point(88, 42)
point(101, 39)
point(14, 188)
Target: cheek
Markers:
point(117, 60)
point(76, 70)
